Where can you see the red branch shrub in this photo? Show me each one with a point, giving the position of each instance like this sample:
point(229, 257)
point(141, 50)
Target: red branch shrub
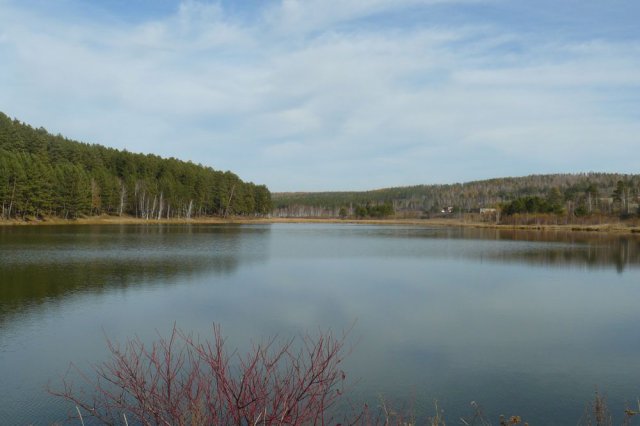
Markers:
point(183, 381)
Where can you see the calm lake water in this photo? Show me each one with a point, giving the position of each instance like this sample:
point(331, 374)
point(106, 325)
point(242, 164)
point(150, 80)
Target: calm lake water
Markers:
point(523, 323)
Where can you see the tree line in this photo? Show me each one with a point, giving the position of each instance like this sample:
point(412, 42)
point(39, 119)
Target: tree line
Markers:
point(581, 194)
point(49, 175)
point(370, 211)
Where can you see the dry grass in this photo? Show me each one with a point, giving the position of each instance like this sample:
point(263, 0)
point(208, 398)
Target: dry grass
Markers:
point(618, 228)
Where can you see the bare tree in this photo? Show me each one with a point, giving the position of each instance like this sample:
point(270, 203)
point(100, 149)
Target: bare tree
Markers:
point(123, 197)
point(183, 381)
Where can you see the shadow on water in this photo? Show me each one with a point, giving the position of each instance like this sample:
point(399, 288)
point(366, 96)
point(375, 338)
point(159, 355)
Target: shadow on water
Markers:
point(51, 263)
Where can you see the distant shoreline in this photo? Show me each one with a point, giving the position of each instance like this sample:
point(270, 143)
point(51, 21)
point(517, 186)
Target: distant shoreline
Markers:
point(608, 228)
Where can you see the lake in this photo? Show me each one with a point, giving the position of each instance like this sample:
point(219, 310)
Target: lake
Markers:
point(523, 323)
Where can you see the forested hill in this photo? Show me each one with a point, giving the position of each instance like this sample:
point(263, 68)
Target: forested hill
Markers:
point(587, 193)
point(46, 175)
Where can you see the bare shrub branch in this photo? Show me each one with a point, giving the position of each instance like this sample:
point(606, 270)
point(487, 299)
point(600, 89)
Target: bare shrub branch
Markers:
point(182, 381)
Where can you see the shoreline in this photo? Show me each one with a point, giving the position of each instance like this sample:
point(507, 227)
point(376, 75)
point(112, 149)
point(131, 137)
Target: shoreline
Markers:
point(605, 228)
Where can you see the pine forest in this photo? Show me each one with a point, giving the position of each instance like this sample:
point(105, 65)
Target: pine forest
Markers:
point(45, 175)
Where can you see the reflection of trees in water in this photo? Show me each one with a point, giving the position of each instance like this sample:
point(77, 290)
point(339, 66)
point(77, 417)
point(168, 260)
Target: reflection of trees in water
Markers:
point(587, 249)
point(102, 261)
point(619, 254)
point(590, 249)
point(29, 284)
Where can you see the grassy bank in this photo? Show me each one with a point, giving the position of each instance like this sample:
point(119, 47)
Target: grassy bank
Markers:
point(609, 228)
point(129, 220)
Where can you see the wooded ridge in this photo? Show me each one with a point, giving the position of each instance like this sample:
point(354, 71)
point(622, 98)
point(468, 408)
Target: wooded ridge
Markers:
point(577, 195)
point(45, 175)
point(49, 175)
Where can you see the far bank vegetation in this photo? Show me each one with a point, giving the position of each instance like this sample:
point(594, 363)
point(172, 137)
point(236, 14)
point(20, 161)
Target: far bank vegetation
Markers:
point(587, 198)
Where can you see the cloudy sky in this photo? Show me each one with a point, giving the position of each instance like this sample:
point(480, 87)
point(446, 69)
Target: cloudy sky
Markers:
point(335, 94)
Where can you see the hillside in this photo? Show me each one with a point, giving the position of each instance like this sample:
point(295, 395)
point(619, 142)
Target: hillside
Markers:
point(581, 194)
point(46, 175)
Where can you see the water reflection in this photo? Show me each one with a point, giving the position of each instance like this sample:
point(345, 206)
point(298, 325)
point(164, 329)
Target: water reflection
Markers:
point(522, 321)
point(541, 248)
point(45, 264)
point(556, 248)
point(40, 264)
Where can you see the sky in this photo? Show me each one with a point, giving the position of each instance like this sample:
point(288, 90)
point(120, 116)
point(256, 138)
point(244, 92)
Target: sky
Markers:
point(319, 95)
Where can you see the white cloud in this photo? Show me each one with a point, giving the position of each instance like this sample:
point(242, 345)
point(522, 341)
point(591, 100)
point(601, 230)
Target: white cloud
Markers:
point(333, 108)
point(307, 16)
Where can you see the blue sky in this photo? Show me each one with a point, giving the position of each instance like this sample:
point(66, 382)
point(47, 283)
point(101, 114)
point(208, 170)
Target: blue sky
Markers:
point(335, 94)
